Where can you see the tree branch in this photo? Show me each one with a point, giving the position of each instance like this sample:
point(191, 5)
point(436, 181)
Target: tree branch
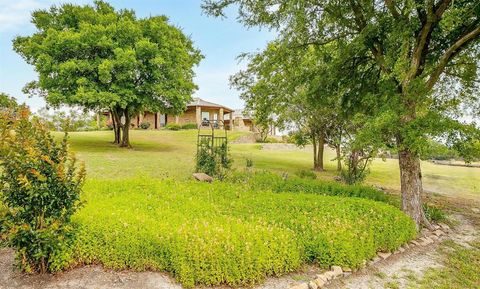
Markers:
point(377, 50)
point(453, 50)
point(393, 9)
point(429, 21)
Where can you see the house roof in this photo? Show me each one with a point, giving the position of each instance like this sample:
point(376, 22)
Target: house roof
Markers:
point(200, 102)
point(241, 113)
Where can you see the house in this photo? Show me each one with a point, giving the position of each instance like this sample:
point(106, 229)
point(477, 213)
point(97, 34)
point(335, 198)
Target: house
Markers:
point(196, 111)
point(241, 120)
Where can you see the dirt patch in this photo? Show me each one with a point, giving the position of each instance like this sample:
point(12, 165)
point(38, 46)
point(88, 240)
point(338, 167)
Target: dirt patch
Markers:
point(400, 270)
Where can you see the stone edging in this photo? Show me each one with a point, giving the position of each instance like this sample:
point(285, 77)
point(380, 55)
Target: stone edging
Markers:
point(426, 238)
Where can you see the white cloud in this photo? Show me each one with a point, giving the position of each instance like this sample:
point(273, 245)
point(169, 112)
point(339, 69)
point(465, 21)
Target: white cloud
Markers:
point(15, 14)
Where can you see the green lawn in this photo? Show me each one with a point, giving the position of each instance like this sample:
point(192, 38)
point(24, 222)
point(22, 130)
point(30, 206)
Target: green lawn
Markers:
point(163, 154)
point(446, 180)
point(143, 211)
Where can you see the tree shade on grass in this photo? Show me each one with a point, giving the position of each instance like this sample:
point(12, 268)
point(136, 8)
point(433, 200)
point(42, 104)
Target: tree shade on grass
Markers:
point(225, 233)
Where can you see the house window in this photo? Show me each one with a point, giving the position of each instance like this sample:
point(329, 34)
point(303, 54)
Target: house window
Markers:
point(215, 116)
point(205, 115)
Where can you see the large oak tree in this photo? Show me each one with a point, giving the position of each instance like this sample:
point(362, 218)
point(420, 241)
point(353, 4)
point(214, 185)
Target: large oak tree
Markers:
point(421, 55)
point(103, 59)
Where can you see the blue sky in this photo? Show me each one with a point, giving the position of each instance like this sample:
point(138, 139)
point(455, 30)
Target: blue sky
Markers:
point(220, 40)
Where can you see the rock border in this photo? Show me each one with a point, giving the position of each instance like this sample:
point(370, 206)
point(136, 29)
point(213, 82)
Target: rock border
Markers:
point(426, 238)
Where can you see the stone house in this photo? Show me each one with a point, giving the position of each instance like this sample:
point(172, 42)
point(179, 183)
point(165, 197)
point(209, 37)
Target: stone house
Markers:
point(196, 111)
point(240, 120)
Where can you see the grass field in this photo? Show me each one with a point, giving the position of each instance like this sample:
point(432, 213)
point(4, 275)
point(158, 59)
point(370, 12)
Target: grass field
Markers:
point(163, 154)
point(143, 212)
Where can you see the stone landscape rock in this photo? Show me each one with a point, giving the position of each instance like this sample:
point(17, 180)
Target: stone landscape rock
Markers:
point(337, 271)
point(322, 277)
point(320, 282)
point(428, 240)
point(202, 177)
point(312, 285)
point(329, 275)
point(444, 226)
point(384, 255)
point(438, 233)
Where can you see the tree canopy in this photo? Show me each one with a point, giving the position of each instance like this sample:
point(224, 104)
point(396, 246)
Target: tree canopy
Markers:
point(103, 59)
point(411, 65)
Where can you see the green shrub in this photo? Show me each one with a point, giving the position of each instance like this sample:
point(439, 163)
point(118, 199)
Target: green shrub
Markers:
point(173, 126)
point(189, 126)
point(249, 162)
point(434, 213)
point(213, 161)
point(145, 125)
point(40, 186)
point(306, 174)
point(226, 234)
point(275, 183)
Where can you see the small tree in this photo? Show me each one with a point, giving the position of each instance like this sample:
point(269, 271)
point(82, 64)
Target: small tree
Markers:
point(299, 88)
point(40, 184)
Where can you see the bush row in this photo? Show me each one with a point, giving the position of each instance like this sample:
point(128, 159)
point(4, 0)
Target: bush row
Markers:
point(276, 183)
point(175, 126)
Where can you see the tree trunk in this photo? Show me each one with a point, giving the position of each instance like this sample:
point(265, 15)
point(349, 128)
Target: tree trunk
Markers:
point(116, 126)
point(320, 150)
point(126, 129)
point(411, 187)
point(315, 160)
point(339, 158)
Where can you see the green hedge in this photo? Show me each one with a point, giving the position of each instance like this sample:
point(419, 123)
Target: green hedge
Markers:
point(224, 233)
point(190, 126)
point(293, 184)
point(173, 126)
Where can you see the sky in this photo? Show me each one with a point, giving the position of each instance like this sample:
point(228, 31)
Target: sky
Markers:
point(220, 41)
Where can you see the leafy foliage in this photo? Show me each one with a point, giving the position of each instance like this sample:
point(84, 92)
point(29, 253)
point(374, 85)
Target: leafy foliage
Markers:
point(356, 168)
point(102, 59)
point(74, 120)
point(213, 161)
point(7, 101)
point(173, 126)
point(306, 174)
point(189, 126)
point(409, 68)
point(40, 187)
point(275, 183)
point(227, 234)
point(145, 125)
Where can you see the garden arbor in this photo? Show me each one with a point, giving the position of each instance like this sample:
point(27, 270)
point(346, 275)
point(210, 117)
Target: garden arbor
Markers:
point(212, 148)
